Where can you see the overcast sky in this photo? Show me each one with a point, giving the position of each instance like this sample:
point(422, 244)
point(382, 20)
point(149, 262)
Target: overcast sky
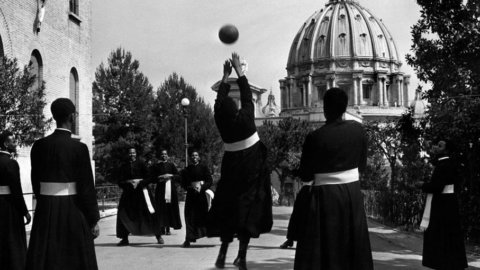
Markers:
point(181, 36)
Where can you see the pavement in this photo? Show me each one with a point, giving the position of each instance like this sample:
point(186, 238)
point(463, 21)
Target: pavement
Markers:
point(391, 249)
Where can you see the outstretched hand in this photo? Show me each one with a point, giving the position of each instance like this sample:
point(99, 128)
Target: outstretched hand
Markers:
point(227, 69)
point(236, 64)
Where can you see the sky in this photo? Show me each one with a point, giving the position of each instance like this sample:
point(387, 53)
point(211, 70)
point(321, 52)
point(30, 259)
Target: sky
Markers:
point(182, 36)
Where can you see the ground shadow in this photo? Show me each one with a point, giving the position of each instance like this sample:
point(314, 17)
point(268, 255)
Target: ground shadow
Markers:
point(281, 216)
point(277, 263)
point(252, 247)
point(280, 232)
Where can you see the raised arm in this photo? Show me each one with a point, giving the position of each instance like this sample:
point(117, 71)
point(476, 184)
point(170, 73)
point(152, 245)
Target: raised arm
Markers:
point(245, 91)
point(224, 88)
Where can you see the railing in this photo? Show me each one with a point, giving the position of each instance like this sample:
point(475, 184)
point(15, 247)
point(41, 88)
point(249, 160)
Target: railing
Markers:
point(107, 197)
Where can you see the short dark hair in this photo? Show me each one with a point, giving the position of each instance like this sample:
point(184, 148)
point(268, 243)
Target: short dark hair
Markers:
point(61, 109)
point(3, 138)
point(335, 102)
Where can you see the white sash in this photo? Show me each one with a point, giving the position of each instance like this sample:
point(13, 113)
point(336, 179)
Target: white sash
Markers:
point(448, 189)
point(243, 144)
point(168, 191)
point(336, 178)
point(145, 195)
point(58, 189)
point(210, 195)
point(5, 190)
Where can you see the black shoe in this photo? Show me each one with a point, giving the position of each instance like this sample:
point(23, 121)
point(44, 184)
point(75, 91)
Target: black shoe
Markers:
point(241, 263)
point(287, 244)
point(220, 263)
point(160, 240)
point(123, 242)
point(186, 244)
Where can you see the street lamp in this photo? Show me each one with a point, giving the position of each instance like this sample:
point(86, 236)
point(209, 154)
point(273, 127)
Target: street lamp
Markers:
point(185, 102)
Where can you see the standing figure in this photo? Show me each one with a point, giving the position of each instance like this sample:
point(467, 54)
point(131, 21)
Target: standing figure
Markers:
point(136, 211)
point(443, 246)
point(334, 234)
point(66, 214)
point(196, 179)
point(164, 173)
point(13, 240)
point(242, 205)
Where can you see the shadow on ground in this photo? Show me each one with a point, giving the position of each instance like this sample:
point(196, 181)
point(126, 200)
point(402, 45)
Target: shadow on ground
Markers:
point(277, 263)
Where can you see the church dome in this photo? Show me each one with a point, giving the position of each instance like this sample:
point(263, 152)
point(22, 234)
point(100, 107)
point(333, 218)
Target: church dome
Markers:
point(342, 30)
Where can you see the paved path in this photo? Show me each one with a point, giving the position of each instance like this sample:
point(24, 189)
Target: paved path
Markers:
point(391, 249)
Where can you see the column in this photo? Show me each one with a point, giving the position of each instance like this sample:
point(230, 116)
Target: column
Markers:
point(399, 92)
point(360, 92)
point(380, 92)
point(355, 91)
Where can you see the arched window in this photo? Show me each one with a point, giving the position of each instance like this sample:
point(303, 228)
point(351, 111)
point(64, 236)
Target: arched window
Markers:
point(74, 96)
point(36, 68)
point(74, 6)
point(1, 47)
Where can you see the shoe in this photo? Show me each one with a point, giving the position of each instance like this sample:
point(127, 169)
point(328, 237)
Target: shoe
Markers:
point(220, 263)
point(186, 244)
point(168, 233)
point(287, 244)
point(240, 263)
point(160, 240)
point(123, 242)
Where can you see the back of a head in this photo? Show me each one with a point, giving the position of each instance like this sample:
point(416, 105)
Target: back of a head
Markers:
point(228, 109)
point(3, 138)
point(335, 103)
point(61, 109)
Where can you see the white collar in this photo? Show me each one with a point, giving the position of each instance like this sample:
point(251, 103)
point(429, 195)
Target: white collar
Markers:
point(442, 158)
point(5, 152)
point(64, 129)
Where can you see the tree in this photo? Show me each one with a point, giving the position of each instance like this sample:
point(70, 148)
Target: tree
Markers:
point(284, 142)
point(446, 45)
point(122, 105)
point(21, 102)
point(169, 131)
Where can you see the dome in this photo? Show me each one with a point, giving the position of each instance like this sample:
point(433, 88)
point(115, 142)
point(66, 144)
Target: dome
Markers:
point(344, 45)
point(343, 30)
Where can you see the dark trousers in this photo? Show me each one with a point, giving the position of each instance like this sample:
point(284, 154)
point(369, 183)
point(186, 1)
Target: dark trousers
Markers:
point(227, 237)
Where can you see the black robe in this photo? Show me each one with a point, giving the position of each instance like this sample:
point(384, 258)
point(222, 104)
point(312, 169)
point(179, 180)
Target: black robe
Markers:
point(243, 198)
point(334, 234)
point(443, 246)
point(196, 204)
point(297, 218)
point(13, 240)
point(61, 236)
point(133, 215)
point(168, 213)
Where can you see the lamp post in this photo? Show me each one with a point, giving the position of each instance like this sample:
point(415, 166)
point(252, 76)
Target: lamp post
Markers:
point(185, 102)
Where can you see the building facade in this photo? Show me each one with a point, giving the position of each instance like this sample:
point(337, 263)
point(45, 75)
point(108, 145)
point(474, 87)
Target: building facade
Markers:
point(54, 38)
point(344, 45)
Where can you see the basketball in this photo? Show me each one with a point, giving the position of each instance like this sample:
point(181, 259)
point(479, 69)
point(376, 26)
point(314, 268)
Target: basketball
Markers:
point(228, 34)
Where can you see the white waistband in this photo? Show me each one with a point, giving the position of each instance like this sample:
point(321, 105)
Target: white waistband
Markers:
point(4, 190)
point(448, 189)
point(58, 189)
point(336, 178)
point(243, 144)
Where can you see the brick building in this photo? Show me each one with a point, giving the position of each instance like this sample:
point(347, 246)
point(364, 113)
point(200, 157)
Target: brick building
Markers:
point(54, 37)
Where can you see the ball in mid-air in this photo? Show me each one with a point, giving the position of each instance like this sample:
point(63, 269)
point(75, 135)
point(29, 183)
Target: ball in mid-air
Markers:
point(228, 34)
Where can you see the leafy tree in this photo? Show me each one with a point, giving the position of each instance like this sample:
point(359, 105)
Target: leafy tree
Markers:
point(21, 102)
point(284, 141)
point(122, 105)
point(446, 45)
point(169, 119)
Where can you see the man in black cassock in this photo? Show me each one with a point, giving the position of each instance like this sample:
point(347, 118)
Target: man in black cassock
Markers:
point(196, 179)
point(242, 205)
point(165, 174)
point(443, 246)
point(13, 240)
point(334, 233)
point(136, 208)
point(66, 214)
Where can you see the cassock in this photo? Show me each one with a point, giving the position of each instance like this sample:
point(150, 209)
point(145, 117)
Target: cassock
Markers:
point(334, 234)
point(443, 246)
point(136, 209)
point(243, 199)
point(166, 195)
point(67, 209)
point(296, 222)
point(196, 203)
point(13, 240)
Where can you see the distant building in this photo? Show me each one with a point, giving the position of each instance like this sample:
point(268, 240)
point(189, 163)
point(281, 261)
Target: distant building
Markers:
point(344, 45)
point(54, 38)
